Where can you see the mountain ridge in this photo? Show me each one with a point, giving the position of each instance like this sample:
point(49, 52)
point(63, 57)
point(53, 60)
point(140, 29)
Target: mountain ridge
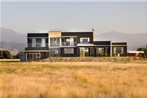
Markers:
point(12, 39)
point(134, 40)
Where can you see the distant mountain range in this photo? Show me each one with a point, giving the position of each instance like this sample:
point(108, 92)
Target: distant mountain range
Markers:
point(134, 41)
point(11, 39)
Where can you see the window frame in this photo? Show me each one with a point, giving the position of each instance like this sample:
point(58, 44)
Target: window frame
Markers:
point(71, 51)
point(121, 51)
point(82, 38)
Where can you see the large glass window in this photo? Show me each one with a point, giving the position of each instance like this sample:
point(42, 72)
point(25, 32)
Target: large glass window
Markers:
point(118, 50)
point(84, 52)
point(33, 56)
point(84, 40)
point(68, 50)
point(33, 42)
point(54, 41)
point(38, 42)
point(100, 51)
point(43, 44)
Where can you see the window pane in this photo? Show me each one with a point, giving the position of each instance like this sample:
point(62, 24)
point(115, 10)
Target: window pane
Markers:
point(54, 41)
point(33, 42)
point(38, 42)
point(43, 42)
point(84, 40)
point(100, 51)
point(68, 50)
point(118, 50)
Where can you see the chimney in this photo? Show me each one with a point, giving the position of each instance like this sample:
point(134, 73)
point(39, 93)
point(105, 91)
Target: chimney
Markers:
point(93, 33)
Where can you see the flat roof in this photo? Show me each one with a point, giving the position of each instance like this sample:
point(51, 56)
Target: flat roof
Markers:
point(135, 51)
point(85, 44)
point(35, 51)
point(78, 32)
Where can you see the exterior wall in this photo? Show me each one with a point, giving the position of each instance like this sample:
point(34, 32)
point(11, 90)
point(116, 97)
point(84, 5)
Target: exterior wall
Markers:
point(36, 48)
point(54, 34)
point(119, 43)
point(135, 53)
point(102, 43)
point(38, 52)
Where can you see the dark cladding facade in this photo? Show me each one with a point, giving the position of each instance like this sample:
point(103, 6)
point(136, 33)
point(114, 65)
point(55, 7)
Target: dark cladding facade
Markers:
point(37, 47)
point(70, 44)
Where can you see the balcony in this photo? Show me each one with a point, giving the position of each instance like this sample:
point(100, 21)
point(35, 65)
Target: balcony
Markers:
point(70, 44)
point(37, 46)
point(69, 41)
point(54, 45)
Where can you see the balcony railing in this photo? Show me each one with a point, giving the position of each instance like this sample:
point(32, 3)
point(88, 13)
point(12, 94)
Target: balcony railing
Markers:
point(84, 42)
point(68, 44)
point(54, 45)
point(37, 45)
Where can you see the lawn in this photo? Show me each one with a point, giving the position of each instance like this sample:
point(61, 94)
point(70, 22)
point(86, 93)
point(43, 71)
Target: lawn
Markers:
point(73, 80)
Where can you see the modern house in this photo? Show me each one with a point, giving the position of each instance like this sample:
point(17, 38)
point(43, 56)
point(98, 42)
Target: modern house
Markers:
point(69, 44)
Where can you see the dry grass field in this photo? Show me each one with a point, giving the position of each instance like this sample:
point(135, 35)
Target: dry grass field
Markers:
point(73, 80)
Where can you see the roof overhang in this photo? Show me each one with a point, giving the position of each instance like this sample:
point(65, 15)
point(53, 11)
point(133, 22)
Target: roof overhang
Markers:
point(85, 45)
point(35, 51)
point(135, 51)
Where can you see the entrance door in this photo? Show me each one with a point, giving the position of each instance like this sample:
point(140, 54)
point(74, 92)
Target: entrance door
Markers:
point(100, 51)
point(84, 52)
point(54, 52)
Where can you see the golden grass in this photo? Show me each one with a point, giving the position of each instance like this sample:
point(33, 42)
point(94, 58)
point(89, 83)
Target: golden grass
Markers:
point(73, 80)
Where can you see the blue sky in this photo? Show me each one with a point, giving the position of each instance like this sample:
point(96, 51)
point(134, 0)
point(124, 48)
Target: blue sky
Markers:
point(23, 17)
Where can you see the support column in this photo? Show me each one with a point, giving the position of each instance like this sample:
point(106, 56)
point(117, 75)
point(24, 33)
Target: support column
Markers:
point(26, 57)
point(110, 49)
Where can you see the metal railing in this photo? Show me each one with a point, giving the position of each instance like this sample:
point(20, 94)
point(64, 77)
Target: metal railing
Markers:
point(33, 45)
point(39, 45)
point(68, 44)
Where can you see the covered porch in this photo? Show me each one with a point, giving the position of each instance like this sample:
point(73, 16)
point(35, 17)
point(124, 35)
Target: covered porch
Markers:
point(33, 55)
